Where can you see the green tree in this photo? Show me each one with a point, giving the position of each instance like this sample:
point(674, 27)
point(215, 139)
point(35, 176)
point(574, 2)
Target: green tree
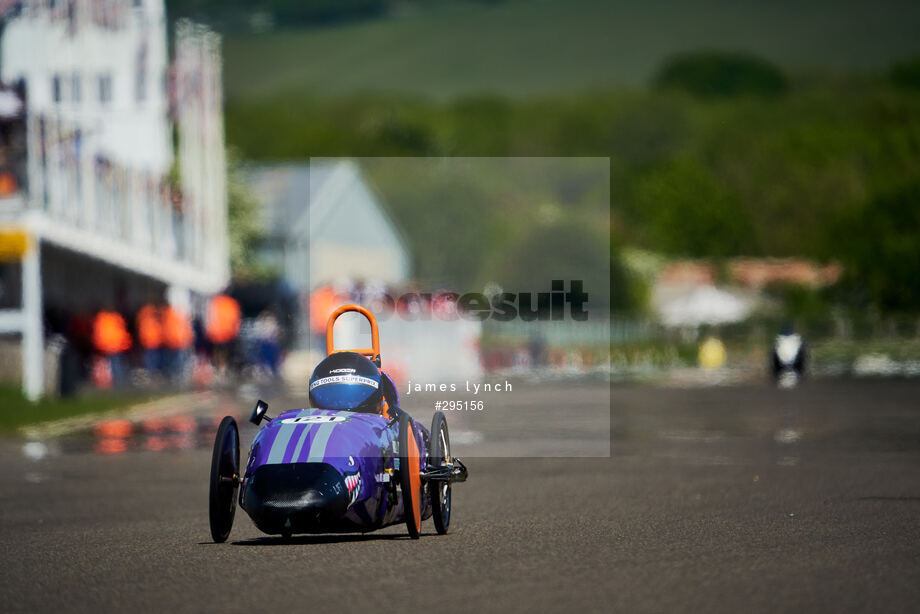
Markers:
point(566, 250)
point(879, 244)
point(242, 221)
point(688, 212)
point(906, 74)
point(721, 74)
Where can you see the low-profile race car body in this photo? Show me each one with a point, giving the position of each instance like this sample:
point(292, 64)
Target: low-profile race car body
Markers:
point(787, 358)
point(330, 471)
point(321, 470)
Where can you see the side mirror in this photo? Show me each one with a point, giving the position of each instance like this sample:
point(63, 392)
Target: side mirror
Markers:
point(258, 414)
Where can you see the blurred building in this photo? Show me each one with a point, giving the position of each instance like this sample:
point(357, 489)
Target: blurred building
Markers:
point(694, 292)
point(751, 272)
point(324, 227)
point(97, 210)
point(324, 223)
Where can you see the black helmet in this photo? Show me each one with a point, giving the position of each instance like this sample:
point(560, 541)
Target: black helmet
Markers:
point(346, 380)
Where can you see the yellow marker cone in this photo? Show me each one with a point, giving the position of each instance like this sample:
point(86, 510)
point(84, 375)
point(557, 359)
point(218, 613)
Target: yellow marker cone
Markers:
point(712, 353)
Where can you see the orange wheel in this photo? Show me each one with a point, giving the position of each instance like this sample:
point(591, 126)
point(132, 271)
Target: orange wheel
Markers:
point(410, 481)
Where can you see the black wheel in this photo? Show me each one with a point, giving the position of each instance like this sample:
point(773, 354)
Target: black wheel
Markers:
point(225, 469)
point(410, 480)
point(439, 452)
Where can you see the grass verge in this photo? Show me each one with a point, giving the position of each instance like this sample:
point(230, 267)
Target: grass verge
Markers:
point(16, 411)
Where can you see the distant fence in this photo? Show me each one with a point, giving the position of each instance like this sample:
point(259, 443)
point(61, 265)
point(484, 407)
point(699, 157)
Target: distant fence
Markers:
point(836, 344)
point(562, 333)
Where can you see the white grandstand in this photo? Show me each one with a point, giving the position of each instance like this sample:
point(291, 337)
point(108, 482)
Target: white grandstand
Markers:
point(95, 206)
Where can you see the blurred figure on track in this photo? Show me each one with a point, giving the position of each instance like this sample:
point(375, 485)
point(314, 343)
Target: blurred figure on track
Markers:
point(111, 340)
point(787, 357)
point(222, 327)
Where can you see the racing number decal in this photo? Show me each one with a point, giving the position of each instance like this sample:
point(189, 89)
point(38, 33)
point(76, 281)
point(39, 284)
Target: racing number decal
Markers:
point(314, 420)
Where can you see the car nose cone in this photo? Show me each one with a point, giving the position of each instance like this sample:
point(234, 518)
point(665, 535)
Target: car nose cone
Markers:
point(295, 497)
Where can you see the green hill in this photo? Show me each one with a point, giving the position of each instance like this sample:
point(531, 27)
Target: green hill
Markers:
point(524, 48)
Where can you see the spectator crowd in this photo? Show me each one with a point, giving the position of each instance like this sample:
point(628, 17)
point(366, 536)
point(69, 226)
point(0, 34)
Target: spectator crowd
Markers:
point(160, 344)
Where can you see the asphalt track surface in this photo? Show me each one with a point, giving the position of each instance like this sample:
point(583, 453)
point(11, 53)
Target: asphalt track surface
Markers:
point(718, 499)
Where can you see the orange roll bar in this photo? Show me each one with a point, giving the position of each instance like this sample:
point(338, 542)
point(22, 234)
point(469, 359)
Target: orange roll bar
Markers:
point(374, 352)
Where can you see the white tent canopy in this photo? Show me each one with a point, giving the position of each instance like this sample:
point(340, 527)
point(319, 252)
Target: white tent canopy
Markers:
point(702, 305)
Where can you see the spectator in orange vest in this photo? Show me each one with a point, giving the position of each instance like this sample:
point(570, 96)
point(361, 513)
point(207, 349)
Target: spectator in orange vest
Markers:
point(223, 322)
point(8, 184)
point(177, 337)
point(177, 328)
point(222, 327)
point(323, 301)
point(110, 336)
point(111, 339)
point(150, 335)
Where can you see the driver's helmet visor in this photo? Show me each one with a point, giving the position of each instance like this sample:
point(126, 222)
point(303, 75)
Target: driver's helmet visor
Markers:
point(343, 391)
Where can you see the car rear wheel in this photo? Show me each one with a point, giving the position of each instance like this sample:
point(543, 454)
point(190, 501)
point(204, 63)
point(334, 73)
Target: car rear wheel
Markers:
point(410, 480)
point(225, 468)
point(440, 456)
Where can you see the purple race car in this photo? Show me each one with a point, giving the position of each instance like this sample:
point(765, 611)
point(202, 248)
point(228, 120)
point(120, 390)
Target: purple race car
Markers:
point(355, 462)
